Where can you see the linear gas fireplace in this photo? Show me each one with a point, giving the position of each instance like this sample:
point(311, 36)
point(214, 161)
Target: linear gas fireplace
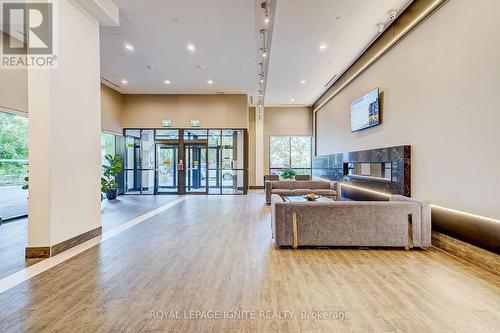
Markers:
point(385, 170)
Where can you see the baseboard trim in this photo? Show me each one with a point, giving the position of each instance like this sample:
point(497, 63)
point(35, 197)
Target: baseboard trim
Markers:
point(256, 187)
point(37, 252)
point(47, 252)
point(485, 259)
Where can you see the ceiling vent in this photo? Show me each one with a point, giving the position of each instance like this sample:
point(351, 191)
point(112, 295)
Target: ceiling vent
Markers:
point(108, 81)
point(329, 83)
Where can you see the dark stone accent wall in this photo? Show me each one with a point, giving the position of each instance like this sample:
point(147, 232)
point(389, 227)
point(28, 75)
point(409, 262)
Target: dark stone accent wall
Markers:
point(334, 167)
point(473, 230)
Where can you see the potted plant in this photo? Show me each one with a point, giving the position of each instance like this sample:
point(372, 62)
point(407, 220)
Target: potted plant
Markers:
point(288, 174)
point(108, 179)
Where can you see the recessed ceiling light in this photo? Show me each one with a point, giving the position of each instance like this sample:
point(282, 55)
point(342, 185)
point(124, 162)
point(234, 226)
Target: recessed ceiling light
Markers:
point(124, 81)
point(150, 67)
point(292, 100)
point(323, 46)
point(200, 66)
point(266, 19)
point(129, 47)
point(210, 82)
point(191, 47)
point(264, 53)
point(167, 82)
point(303, 81)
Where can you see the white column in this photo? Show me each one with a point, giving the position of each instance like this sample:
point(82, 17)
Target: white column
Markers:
point(259, 146)
point(64, 134)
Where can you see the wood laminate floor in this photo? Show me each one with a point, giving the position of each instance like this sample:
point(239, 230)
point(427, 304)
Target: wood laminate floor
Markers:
point(213, 254)
point(14, 234)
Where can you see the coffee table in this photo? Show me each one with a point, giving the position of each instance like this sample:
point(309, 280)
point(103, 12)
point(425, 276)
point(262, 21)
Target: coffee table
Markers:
point(299, 198)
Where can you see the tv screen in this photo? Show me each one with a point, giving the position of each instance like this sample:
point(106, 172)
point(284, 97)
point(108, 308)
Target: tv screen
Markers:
point(365, 111)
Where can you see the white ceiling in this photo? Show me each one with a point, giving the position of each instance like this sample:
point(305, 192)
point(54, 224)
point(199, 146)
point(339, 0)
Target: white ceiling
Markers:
point(226, 36)
point(223, 32)
point(346, 26)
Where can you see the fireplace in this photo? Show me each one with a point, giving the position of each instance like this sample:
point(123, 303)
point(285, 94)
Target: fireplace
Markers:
point(383, 170)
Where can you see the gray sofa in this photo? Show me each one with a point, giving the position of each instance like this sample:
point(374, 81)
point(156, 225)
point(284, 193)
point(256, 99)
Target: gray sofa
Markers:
point(400, 222)
point(301, 187)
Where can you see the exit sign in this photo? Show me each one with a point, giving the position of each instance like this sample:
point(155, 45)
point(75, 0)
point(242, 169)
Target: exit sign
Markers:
point(166, 123)
point(195, 123)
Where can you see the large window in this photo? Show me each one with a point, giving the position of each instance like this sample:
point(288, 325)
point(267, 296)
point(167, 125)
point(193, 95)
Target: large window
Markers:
point(108, 146)
point(13, 165)
point(290, 152)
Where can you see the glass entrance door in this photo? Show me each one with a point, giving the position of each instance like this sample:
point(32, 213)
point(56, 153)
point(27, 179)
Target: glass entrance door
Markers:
point(196, 168)
point(166, 168)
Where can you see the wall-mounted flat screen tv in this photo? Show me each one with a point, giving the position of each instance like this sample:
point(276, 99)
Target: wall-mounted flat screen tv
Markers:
point(365, 111)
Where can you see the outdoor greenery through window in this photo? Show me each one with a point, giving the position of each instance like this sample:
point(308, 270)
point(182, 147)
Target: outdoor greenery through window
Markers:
point(13, 165)
point(108, 146)
point(290, 152)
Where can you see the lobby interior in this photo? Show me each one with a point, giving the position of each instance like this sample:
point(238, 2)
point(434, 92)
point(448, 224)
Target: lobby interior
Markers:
point(281, 166)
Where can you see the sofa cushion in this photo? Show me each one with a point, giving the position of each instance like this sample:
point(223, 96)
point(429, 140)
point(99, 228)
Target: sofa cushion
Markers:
point(281, 191)
point(282, 185)
point(326, 193)
point(316, 185)
point(301, 191)
point(285, 192)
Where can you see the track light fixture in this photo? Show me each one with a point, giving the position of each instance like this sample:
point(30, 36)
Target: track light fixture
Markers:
point(265, 5)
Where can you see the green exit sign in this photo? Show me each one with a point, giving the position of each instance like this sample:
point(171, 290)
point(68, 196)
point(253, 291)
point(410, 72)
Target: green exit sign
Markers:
point(195, 123)
point(166, 123)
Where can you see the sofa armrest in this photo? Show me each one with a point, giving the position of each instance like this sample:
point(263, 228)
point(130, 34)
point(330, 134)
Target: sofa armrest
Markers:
point(268, 186)
point(337, 186)
point(277, 216)
point(425, 218)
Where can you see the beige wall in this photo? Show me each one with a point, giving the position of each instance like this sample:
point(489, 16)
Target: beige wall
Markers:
point(13, 89)
point(215, 111)
point(111, 110)
point(64, 140)
point(280, 121)
point(251, 146)
point(441, 91)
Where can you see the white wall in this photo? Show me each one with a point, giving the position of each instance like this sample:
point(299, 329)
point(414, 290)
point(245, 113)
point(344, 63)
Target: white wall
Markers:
point(13, 88)
point(441, 95)
point(65, 126)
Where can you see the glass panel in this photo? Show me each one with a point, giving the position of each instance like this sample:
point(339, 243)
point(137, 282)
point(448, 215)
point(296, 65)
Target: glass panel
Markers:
point(148, 181)
point(195, 134)
point(132, 160)
point(300, 155)
point(214, 181)
point(214, 139)
point(13, 165)
point(214, 149)
point(196, 168)
point(132, 182)
point(168, 134)
point(232, 181)
point(167, 168)
point(133, 133)
point(298, 171)
point(107, 146)
point(279, 152)
point(303, 171)
point(148, 150)
point(232, 149)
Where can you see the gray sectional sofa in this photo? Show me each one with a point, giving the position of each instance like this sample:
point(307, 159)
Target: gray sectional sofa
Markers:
point(400, 222)
point(301, 187)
